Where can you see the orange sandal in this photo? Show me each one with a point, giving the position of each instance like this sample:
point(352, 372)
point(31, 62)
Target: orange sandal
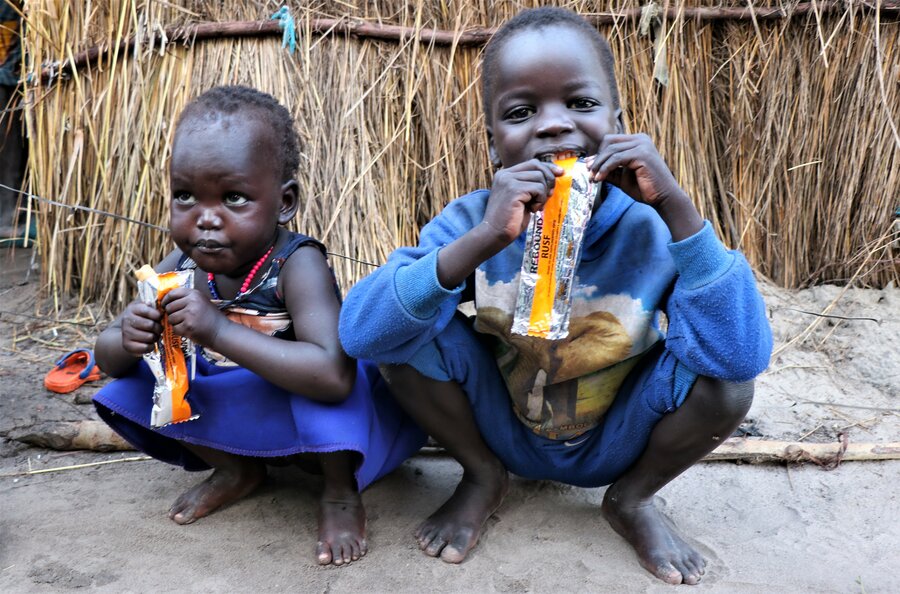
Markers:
point(71, 371)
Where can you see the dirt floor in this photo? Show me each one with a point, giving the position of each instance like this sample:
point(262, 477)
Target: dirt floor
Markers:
point(763, 527)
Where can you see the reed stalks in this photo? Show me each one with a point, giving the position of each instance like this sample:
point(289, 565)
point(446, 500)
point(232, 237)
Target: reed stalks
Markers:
point(782, 130)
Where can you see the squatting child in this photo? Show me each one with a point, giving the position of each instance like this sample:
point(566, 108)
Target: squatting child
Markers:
point(272, 384)
point(666, 333)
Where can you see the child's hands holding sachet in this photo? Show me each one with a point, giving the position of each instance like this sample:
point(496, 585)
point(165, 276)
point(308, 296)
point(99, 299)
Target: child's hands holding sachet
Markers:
point(632, 163)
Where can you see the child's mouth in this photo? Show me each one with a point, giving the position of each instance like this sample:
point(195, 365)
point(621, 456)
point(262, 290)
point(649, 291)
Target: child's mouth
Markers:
point(205, 246)
point(560, 155)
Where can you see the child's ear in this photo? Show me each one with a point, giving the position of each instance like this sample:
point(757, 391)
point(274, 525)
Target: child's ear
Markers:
point(290, 202)
point(492, 150)
point(620, 125)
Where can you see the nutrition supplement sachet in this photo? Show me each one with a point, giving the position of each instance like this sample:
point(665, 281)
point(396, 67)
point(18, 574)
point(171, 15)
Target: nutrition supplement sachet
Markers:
point(172, 360)
point(552, 252)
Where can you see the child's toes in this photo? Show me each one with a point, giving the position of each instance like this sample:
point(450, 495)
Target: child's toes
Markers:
point(424, 536)
point(178, 506)
point(323, 553)
point(667, 572)
point(181, 512)
point(697, 560)
point(692, 573)
point(183, 518)
point(337, 553)
point(437, 544)
point(690, 578)
point(343, 554)
point(458, 548)
point(694, 570)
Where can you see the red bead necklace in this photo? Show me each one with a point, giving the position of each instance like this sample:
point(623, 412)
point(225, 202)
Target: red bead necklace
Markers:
point(211, 278)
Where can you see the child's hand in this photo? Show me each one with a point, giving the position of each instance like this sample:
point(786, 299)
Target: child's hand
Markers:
point(517, 192)
point(193, 316)
point(140, 328)
point(631, 162)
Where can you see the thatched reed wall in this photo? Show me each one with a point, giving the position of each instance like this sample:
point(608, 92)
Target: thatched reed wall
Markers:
point(784, 130)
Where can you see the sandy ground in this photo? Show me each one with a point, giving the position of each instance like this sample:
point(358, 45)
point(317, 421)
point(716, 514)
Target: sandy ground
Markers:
point(763, 528)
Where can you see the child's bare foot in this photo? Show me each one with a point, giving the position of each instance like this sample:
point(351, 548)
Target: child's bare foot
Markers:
point(225, 485)
point(660, 549)
point(342, 528)
point(453, 530)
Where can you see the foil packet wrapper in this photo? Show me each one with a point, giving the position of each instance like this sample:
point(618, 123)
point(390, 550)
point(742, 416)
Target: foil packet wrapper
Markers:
point(172, 360)
point(552, 253)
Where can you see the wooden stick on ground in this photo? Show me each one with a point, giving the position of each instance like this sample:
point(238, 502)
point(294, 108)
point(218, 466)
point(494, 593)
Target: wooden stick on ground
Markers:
point(827, 455)
point(72, 435)
point(97, 436)
point(756, 451)
point(75, 466)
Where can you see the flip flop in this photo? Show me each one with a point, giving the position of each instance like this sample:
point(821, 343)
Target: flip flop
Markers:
point(71, 371)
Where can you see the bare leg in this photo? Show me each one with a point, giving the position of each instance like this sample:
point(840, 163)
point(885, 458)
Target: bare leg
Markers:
point(711, 412)
point(443, 411)
point(233, 477)
point(342, 518)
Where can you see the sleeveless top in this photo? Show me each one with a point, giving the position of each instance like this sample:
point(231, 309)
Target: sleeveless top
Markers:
point(262, 307)
point(242, 413)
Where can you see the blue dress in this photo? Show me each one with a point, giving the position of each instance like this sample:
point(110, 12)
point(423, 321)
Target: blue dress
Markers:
point(242, 413)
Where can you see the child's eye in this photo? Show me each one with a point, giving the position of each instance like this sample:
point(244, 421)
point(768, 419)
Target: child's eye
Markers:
point(517, 113)
point(235, 200)
point(583, 103)
point(183, 198)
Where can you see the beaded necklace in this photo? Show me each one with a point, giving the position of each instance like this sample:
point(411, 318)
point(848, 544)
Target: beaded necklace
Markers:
point(211, 278)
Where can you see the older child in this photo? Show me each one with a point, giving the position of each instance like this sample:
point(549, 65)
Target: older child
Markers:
point(667, 329)
point(272, 381)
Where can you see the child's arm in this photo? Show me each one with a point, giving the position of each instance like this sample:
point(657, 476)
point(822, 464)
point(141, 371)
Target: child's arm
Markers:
point(632, 163)
point(717, 319)
point(133, 333)
point(516, 192)
point(313, 365)
point(390, 314)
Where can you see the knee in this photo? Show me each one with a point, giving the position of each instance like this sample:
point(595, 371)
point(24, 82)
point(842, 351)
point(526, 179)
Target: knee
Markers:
point(729, 400)
point(392, 373)
point(403, 380)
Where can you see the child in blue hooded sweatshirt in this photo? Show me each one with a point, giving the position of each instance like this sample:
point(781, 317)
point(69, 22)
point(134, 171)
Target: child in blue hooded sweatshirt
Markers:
point(667, 329)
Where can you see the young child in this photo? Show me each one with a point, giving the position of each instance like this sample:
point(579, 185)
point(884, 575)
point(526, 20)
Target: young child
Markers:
point(272, 382)
point(667, 327)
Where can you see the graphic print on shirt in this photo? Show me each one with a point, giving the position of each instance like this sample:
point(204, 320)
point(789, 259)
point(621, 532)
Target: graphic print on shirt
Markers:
point(561, 388)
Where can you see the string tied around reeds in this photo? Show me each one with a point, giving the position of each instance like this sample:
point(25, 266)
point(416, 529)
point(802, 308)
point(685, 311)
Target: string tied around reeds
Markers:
point(289, 29)
point(29, 241)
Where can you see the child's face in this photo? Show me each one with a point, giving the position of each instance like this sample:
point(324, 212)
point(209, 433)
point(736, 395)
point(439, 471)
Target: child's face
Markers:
point(550, 94)
point(227, 194)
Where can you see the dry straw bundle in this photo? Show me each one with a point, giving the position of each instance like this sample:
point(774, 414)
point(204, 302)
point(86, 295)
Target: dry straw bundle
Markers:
point(784, 130)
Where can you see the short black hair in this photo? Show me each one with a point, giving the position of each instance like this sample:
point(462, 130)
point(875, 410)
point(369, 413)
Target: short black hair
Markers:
point(540, 18)
point(230, 99)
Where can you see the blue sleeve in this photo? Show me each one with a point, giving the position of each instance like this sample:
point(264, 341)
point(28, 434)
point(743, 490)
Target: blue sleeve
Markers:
point(388, 316)
point(717, 318)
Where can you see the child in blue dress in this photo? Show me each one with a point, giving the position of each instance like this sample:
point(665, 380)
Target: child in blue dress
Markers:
point(667, 327)
point(272, 384)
